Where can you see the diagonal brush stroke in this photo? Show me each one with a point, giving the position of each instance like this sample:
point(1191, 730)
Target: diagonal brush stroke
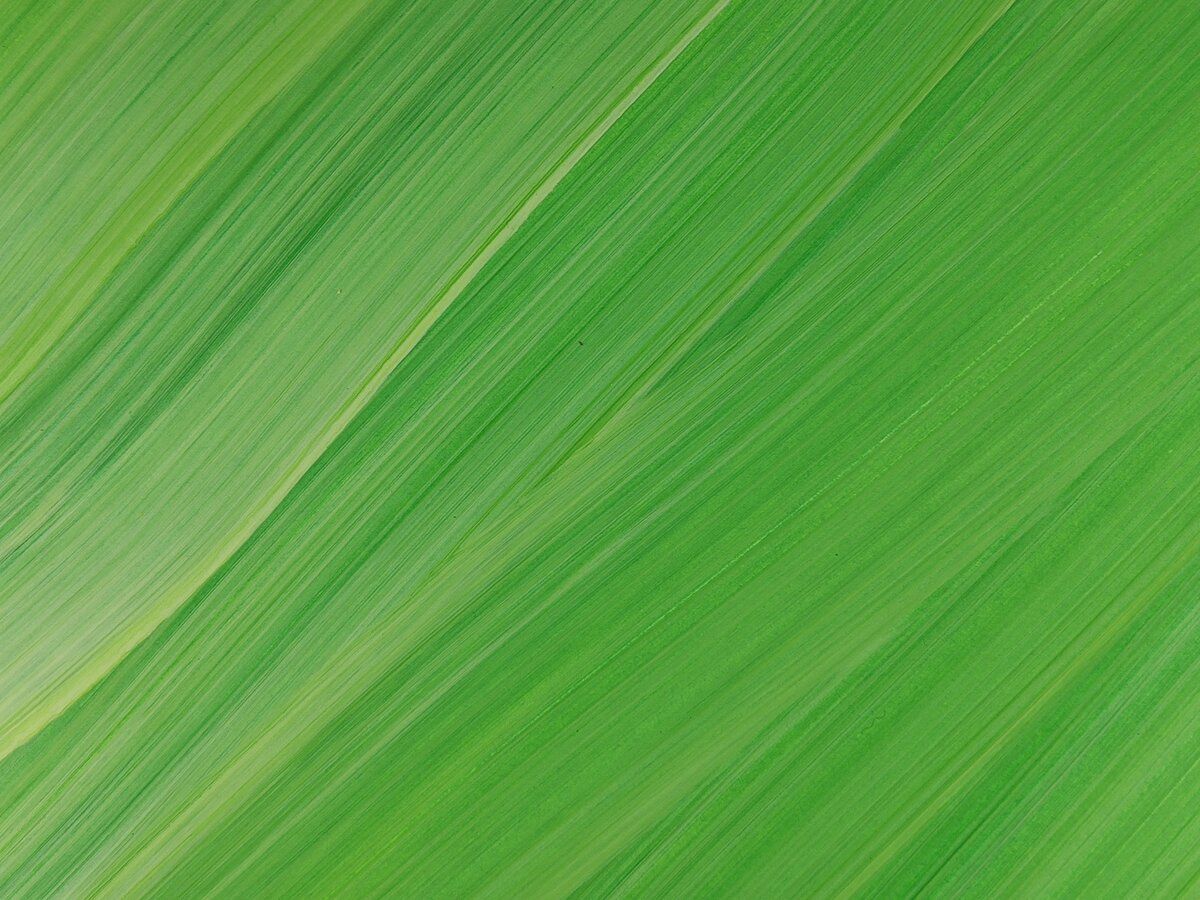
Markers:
point(543, 449)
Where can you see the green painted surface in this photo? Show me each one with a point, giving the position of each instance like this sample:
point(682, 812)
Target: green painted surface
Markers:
point(623, 448)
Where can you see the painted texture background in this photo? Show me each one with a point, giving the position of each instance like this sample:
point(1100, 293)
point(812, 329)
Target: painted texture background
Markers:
point(633, 447)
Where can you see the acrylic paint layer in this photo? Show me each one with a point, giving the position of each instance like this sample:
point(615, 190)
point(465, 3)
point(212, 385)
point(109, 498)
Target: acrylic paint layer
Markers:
point(624, 448)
